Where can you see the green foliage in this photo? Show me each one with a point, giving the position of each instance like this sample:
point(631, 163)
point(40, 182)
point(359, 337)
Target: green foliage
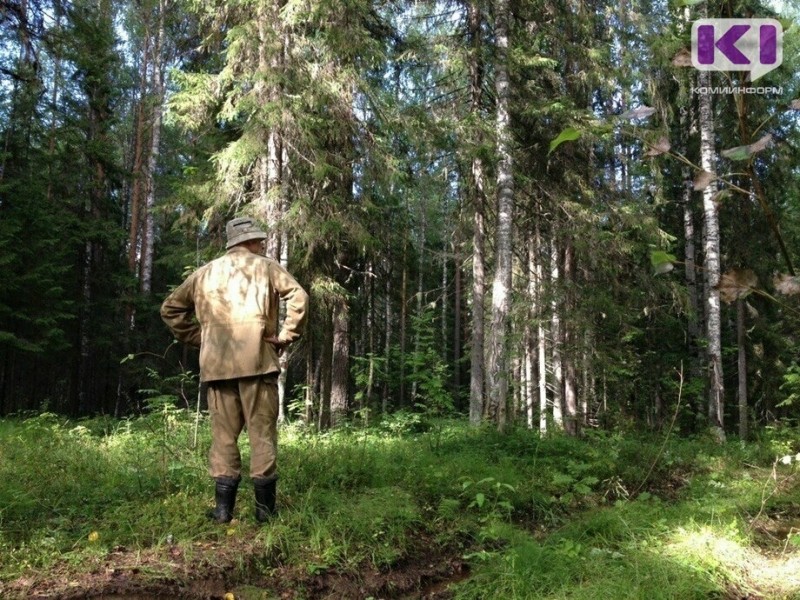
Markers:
point(124, 483)
point(662, 261)
point(489, 497)
point(427, 368)
point(532, 516)
point(778, 440)
point(379, 119)
point(370, 370)
point(379, 116)
point(403, 422)
point(791, 385)
point(570, 134)
point(171, 389)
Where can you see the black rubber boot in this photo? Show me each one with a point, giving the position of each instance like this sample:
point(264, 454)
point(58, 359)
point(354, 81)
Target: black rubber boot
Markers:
point(265, 498)
point(225, 496)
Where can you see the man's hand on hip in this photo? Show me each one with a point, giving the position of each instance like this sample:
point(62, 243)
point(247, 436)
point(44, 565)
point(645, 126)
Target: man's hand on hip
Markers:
point(279, 345)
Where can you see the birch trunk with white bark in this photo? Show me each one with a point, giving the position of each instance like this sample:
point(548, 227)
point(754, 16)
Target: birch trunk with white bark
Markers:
point(711, 246)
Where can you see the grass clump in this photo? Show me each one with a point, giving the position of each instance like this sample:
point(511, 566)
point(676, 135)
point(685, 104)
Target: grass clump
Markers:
point(609, 516)
point(697, 540)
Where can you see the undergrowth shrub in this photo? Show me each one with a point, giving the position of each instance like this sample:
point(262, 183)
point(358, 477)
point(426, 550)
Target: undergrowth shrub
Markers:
point(372, 496)
point(63, 481)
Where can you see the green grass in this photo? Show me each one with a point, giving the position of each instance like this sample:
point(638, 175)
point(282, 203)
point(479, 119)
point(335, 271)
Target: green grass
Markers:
point(533, 517)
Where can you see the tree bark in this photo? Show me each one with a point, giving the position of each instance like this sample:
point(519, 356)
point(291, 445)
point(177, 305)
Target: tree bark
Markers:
point(284, 260)
point(477, 372)
point(541, 339)
point(690, 272)
point(445, 334)
point(478, 197)
point(403, 319)
point(371, 326)
point(58, 77)
point(420, 306)
point(741, 340)
point(711, 244)
point(326, 369)
point(556, 338)
point(457, 325)
point(530, 337)
point(311, 379)
point(517, 382)
point(585, 399)
point(146, 267)
point(84, 355)
point(137, 171)
point(695, 317)
point(141, 233)
point(387, 344)
point(340, 373)
point(497, 369)
point(270, 65)
point(571, 423)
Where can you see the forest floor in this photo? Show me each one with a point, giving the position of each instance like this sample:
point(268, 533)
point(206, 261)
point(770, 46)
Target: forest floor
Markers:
point(409, 509)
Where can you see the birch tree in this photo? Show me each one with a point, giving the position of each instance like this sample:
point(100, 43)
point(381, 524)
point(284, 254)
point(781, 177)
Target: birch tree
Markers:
point(711, 267)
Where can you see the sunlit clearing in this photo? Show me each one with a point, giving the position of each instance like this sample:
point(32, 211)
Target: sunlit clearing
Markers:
point(777, 569)
point(704, 548)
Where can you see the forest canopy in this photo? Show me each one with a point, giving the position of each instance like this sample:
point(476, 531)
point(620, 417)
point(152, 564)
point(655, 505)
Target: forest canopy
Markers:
point(532, 213)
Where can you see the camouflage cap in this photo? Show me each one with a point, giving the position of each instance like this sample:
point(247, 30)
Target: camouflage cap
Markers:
point(242, 229)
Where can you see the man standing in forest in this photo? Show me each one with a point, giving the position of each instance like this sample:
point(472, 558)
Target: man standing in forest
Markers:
point(229, 309)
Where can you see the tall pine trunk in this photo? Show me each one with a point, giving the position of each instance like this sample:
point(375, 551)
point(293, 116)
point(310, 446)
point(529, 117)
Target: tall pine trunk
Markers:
point(149, 114)
point(741, 340)
point(134, 230)
point(477, 366)
point(497, 369)
point(569, 355)
point(694, 326)
point(311, 382)
point(371, 327)
point(420, 308)
point(284, 260)
point(457, 316)
point(477, 370)
point(387, 343)
point(325, 370)
point(146, 266)
point(556, 337)
point(270, 66)
point(541, 340)
point(340, 372)
point(530, 335)
point(403, 316)
point(690, 273)
point(139, 156)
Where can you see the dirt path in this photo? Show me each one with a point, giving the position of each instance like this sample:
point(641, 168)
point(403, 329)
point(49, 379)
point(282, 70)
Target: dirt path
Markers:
point(214, 571)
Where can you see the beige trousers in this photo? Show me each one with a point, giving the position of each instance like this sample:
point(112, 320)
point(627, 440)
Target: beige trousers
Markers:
point(234, 404)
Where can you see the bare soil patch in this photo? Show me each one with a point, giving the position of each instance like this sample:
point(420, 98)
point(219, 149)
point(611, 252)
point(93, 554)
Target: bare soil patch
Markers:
point(210, 571)
point(778, 528)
